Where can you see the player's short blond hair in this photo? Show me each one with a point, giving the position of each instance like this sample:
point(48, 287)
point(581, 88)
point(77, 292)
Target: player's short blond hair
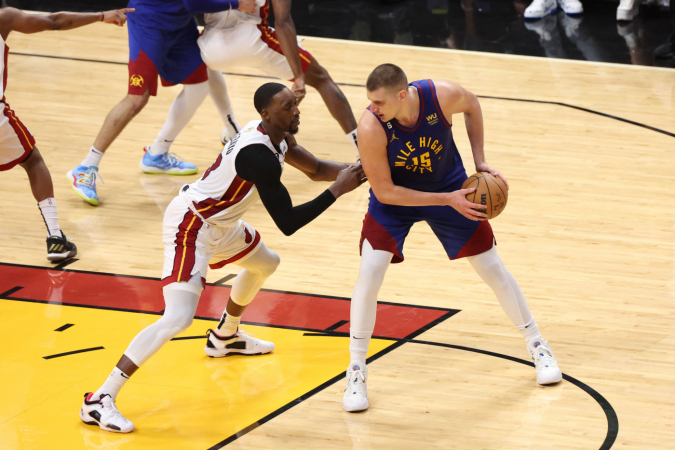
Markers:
point(388, 76)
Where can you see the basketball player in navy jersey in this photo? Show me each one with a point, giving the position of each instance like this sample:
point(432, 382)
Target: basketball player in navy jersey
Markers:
point(416, 174)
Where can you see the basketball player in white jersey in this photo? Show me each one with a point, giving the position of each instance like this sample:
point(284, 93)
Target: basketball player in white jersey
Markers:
point(17, 144)
point(237, 39)
point(203, 228)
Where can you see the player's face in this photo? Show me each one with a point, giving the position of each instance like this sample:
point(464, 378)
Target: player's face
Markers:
point(385, 104)
point(284, 112)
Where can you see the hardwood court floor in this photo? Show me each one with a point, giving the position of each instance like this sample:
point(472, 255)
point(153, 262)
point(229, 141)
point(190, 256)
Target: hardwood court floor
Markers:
point(589, 234)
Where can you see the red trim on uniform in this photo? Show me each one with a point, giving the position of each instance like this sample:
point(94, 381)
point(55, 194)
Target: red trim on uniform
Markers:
point(438, 106)
point(4, 72)
point(25, 137)
point(142, 75)
point(419, 119)
point(184, 259)
point(214, 166)
point(239, 255)
point(200, 75)
point(481, 241)
point(264, 13)
point(379, 238)
point(261, 129)
point(238, 189)
point(269, 37)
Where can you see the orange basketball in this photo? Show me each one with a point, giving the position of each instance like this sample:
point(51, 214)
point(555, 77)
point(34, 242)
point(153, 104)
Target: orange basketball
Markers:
point(490, 191)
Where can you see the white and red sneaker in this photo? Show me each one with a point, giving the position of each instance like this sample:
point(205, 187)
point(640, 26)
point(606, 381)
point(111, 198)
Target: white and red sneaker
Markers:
point(241, 343)
point(104, 413)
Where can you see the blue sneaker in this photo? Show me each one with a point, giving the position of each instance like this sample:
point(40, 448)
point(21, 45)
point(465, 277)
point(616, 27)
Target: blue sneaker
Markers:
point(166, 163)
point(83, 181)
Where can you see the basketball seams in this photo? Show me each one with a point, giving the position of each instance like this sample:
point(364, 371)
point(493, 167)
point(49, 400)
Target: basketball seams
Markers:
point(489, 196)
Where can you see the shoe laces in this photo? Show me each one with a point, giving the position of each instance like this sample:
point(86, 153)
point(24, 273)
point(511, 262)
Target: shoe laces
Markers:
point(353, 377)
point(109, 404)
point(543, 357)
point(172, 158)
point(90, 177)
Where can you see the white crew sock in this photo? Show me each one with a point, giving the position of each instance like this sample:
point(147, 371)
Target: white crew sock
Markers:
point(218, 91)
point(181, 111)
point(93, 157)
point(50, 216)
point(353, 140)
point(228, 325)
point(529, 331)
point(112, 384)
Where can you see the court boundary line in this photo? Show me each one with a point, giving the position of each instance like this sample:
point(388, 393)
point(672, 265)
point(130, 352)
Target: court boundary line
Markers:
point(543, 102)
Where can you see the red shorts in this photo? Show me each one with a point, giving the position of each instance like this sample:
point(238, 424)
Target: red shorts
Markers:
point(143, 75)
point(16, 142)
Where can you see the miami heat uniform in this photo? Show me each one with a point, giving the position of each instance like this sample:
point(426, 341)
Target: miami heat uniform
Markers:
point(16, 142)
point(424, 158)
point(240, 39)
point(202, 226)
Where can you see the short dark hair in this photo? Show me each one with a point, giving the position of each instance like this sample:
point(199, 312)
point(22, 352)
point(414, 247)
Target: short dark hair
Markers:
point(388, 76)
point(264, 95)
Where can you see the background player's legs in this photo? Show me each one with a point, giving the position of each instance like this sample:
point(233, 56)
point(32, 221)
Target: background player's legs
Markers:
point(218, 91)
point(338, 105)
point(257, 268)
point(43, 190)
point(181, 111)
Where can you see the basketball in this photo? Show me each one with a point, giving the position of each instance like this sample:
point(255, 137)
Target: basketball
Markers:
point(490, 191)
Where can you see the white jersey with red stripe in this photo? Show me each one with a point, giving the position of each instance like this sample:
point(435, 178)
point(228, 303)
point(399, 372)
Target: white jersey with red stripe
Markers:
point(221, 197)
point(230, 19)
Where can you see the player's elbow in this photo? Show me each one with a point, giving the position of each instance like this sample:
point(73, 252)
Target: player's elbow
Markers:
point(384, 196)
point(288, 231)
point(57, 22)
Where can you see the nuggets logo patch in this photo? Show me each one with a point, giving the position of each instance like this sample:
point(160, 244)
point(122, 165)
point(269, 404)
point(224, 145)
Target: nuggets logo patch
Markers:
point(432, 119)
point(136, 81)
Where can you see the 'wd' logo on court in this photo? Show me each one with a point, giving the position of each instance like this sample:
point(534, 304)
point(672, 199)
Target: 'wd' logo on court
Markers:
point(432, 119)
point(136, 81)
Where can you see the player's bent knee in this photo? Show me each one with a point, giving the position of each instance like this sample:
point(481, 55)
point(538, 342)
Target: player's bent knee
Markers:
point(138, 102)
point(272, 261)
point(316, 76)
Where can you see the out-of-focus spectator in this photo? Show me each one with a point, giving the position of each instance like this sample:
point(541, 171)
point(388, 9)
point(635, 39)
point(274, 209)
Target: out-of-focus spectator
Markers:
point(542, 8)
point(667, 49)
point(627, 9)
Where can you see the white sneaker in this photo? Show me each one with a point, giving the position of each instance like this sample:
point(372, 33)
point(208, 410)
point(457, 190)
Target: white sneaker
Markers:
point(241, 343)
point(571, 6)
point(104, 413)
point(356, 391)
point(628, 9)
point(540, 8)
point(545, 364)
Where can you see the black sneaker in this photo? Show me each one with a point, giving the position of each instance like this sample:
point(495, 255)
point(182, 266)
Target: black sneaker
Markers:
point(60, 248)
point(667, 49)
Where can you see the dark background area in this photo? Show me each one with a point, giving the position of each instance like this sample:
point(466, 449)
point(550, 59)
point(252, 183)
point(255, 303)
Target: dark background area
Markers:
point(479, 25)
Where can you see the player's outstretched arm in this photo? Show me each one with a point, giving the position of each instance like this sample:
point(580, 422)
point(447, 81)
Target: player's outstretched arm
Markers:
point(258, 164)
point(12, 19)
point(288, 40)
point(316, 169)
point(373, 150)
point(455, 99)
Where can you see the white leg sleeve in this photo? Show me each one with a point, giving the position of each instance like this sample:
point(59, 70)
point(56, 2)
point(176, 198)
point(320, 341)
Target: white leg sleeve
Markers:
point(491, 269)
point(374, 264)
point(258, 267)
point(181, 111)
point(181, 305)
point(218, 91)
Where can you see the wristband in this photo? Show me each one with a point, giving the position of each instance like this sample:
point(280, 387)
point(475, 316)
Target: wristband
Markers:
point(102, 16)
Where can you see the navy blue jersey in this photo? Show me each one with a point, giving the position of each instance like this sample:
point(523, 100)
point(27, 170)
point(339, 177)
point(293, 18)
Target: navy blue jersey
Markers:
point(424, 157)
point(160, 14)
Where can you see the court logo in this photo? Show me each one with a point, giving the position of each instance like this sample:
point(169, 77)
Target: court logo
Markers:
point(136, 81)
point(432, 119)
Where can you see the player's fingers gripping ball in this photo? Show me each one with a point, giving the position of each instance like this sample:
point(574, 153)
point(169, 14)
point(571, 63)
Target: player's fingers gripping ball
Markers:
point(490, 191)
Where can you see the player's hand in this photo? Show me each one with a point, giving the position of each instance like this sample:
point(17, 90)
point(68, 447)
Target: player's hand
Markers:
point(483, 167)
point(348, 179)
point(473, 211)
point(117, 16)
point(298, 88)
point(247, 6)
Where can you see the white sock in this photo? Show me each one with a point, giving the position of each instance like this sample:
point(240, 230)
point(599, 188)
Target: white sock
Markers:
point(218, 91)
point(228, 325)
point(50, 216)
point(181, 111)
point(112, 384)
point(358, 347)
point(529, 331)
point(93, 157)
point(353, 140)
